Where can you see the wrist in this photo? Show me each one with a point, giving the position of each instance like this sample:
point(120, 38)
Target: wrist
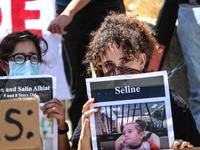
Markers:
point(63, 130)
point(61, 124)
point(68, 12)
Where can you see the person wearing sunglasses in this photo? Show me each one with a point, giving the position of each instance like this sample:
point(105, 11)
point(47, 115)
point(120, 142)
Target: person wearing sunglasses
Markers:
point(21, 54)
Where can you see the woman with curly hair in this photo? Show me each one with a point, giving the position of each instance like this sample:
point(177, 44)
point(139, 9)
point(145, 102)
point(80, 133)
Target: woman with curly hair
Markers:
point(122, 45)
point(120, 32)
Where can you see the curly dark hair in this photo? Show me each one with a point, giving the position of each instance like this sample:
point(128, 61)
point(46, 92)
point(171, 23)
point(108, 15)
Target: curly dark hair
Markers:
point(9, 42)
point(128, 31)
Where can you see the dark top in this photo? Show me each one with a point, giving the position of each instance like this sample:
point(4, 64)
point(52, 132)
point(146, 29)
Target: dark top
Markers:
point(66, 2)
point(183, 122)
point(187, 1)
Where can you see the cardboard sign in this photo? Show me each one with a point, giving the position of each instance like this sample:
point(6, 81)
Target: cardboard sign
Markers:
point(130, 98)
point(20, 123)
point(27, 86)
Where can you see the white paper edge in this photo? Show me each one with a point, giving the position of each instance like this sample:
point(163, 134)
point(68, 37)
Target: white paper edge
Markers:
point(55, 139)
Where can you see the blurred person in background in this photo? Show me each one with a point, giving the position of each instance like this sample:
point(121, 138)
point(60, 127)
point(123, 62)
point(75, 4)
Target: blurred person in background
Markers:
point(189, 36)
point(75, 20)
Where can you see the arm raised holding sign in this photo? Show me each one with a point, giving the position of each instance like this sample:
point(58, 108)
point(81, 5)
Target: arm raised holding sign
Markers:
point(84, 142)
point(21, 54)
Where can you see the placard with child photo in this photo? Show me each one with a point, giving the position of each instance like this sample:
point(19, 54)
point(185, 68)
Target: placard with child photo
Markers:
point(131, 104)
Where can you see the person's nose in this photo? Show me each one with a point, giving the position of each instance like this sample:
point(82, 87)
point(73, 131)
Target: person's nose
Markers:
point(117, 71)
point(27, 58)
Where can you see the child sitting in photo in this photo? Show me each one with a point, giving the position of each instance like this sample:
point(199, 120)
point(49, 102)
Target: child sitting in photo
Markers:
point(133, 135)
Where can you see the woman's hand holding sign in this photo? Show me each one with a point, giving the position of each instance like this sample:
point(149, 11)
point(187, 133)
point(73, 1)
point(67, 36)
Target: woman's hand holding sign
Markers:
point(180, 144)
point(84, 142)
point(86, 113)
point(55, 109)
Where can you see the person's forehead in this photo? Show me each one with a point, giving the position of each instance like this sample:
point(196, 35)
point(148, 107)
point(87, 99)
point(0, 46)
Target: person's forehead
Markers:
point(25, 47)
point(130, 126)
point(25, 44)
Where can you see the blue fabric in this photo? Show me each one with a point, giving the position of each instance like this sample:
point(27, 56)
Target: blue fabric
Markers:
point(27, 68)
point(63, 2)
point(66, 2)
point(189, 36)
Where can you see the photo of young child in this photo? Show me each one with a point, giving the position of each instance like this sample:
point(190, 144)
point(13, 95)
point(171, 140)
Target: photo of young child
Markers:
point(110, 121)
point(133, 135)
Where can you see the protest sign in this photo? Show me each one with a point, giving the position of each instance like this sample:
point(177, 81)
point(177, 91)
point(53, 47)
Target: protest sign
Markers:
point(27, 86)
point(35, 16)
point(20, 124)
point(130, 98)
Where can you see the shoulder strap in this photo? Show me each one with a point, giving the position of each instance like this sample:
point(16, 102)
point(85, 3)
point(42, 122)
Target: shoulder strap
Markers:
point(147, 136)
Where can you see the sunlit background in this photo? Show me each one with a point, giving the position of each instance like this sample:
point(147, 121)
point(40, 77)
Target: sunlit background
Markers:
point(144, 8)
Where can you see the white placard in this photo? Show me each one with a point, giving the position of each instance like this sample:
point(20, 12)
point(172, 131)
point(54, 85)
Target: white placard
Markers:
point(127, 98)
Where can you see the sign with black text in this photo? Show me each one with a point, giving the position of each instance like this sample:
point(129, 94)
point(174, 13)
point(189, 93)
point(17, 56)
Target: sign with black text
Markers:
point(28, 86)
point(124, 89)
point(124, 99)
point(13, 87)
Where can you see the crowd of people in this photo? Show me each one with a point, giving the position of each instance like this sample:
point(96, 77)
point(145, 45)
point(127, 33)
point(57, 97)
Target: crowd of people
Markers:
point(119, 44)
